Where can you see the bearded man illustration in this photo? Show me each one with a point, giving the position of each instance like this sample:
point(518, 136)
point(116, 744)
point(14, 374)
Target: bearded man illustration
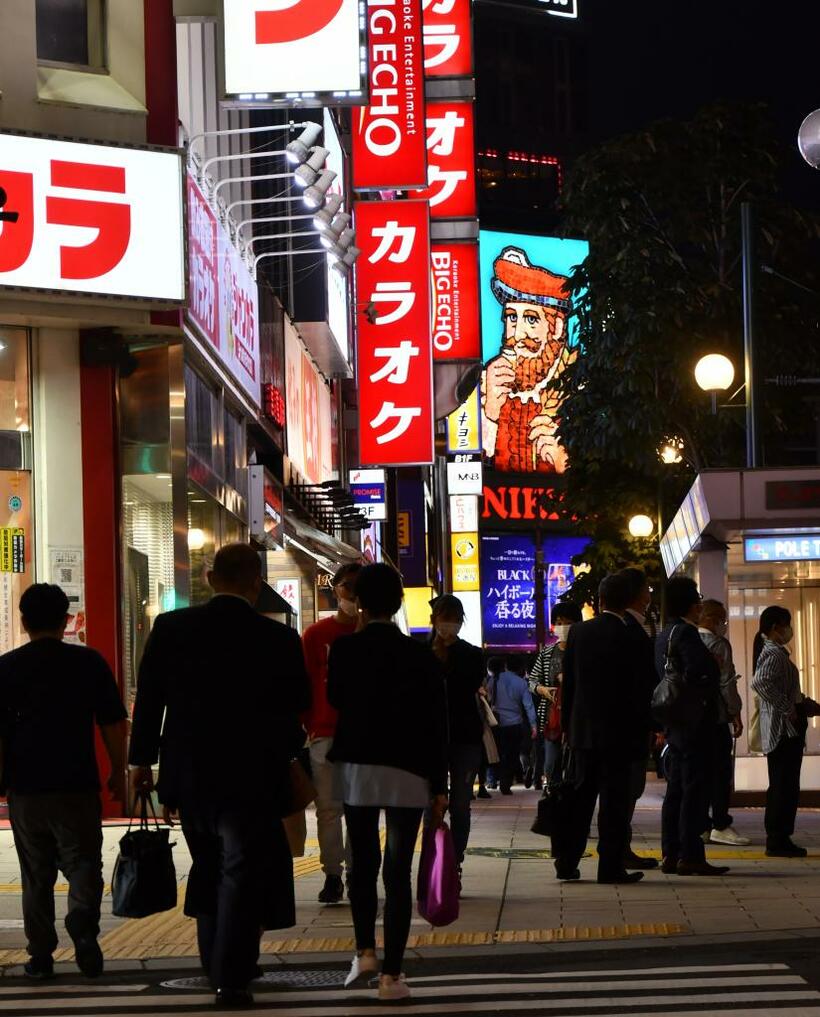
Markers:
point(519, 418)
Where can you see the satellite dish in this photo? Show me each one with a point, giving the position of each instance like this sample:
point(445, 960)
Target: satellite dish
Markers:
point(808, 139)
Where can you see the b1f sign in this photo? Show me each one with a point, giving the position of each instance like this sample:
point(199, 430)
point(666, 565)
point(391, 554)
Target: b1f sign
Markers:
point(389, 141)
point(368, 488)
point(394, 350)
point(281, 49)
point(87, 218)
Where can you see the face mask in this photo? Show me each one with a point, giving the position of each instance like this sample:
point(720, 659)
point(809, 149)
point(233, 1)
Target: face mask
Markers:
point(561, 632)
point(788, 635)
point(448, 630)
point(348, 607)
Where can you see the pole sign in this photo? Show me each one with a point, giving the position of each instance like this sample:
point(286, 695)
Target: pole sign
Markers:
point(91, 218)
point(451, 188)
point(784, 547)
point(463, 513)
point(395, 361)
point(464, 558)
point(464, 427)
point(369, 491)
point(456, 319)
point(465, 478)
point(389, 143)
point(448, 38)
point(284, 52)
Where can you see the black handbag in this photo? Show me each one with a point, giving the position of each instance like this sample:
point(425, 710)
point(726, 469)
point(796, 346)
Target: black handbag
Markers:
point(144, 881)
point(554, 804)
point(675, 703)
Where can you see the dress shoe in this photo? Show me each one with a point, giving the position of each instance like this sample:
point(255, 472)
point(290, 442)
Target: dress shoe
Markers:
point(566, 873)
point(483, 793)
point(89, 956)
point(39, 968)
point(701, 869)
point(633, 861)
point(333, 891)
point(621, 877)
point(670, 866)
point(785, 849)
point(506, 790)
point(233, 999)
point(528, 776)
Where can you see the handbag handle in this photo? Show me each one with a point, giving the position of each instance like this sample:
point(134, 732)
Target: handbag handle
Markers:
point(144, 798)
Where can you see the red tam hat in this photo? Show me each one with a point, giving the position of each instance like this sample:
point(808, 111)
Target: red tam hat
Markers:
point(516, 279)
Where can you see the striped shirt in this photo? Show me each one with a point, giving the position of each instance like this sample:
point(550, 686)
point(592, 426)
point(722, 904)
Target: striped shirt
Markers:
point(545, 671)
point(776, 683)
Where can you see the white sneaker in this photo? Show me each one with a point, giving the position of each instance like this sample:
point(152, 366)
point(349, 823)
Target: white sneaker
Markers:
point(728, 836)
point(362, 969)
point(393, 989)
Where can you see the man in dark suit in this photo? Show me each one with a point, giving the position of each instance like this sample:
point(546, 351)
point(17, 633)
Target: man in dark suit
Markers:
point(690, 754)
point(230, 685)
point(643, 660)
point(605, 730)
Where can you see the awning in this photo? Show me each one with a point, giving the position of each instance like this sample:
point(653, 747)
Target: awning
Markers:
point(328, 551)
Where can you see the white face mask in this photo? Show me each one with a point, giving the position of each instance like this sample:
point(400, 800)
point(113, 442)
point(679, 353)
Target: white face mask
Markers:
point(348, 607)
point(561, 632)
point(448, 630)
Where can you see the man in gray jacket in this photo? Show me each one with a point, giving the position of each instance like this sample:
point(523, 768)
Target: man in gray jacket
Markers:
point(712, 627)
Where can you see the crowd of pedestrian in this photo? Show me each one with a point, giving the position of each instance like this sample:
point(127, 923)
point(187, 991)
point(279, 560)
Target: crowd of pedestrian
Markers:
point(229, 702)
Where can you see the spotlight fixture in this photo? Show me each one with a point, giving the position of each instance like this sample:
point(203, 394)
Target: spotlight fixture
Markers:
point(345, 239)
point(309, 171)
point(330, 235)
point(298, 151)
point(343, 265)
point(325, 216)
point(315, 194)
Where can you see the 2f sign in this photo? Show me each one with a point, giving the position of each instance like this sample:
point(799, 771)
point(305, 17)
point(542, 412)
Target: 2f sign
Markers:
point(91, 219)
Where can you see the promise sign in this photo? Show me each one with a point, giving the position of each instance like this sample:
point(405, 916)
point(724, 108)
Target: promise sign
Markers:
point(395, 363)
point(389, 150)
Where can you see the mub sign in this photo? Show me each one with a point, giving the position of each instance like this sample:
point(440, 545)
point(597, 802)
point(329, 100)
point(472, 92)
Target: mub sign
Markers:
point(787, 547)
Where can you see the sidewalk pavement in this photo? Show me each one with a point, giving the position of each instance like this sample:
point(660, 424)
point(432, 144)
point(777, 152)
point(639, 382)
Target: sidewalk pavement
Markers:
point(511, 897)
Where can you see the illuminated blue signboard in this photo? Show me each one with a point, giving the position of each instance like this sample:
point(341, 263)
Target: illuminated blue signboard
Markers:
point(786, 547)
point(508, 584)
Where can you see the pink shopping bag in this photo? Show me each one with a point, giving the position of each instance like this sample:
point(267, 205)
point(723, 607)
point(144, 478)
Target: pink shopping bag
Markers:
point(437, 893)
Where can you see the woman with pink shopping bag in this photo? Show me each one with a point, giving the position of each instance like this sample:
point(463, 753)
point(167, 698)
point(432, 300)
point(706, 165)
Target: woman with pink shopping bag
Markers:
point(389, 752)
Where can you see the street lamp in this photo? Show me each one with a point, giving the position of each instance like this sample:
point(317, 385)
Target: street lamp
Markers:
point(670, 451)
point(714, 373)
point(641, 526)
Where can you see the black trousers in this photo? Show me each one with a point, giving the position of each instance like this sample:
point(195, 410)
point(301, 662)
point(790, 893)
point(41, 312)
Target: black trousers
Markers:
point(602, 778)
point(683, 817)
point(363, 832)
point(241, 881)
point(51, 832)
point(783, 795)
point(721, 779)
point(508, 741)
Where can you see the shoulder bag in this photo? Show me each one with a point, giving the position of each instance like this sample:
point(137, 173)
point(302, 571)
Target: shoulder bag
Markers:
point(674, 702)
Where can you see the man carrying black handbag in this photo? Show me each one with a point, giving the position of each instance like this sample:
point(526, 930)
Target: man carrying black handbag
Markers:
point(684, 663)
point(230, 685)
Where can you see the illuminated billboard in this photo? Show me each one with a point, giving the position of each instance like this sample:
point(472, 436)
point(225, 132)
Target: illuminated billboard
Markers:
point(528, 338)
point(277, 53)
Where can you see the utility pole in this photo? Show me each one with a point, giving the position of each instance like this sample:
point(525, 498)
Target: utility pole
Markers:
point(749, 271)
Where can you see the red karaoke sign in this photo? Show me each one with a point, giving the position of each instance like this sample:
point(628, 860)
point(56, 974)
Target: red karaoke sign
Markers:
point(389, 150)
point(394, 348)
point(448, 38)
point(455, 300)
point(451, 188)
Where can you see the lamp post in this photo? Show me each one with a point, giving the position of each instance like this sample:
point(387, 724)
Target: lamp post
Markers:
point(641, 526)
point(714, 373)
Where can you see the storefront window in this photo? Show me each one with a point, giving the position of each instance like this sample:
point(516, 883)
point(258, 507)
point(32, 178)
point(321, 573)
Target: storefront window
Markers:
point(201, 419)
point(16, 509)
point(203, 522)
point(148, 560)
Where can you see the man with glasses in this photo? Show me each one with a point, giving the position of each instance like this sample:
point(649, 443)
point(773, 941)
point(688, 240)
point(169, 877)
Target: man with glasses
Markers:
point(321, 727)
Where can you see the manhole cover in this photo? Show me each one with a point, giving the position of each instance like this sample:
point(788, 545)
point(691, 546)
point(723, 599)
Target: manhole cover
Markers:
point(271, 979)
point(517, 853)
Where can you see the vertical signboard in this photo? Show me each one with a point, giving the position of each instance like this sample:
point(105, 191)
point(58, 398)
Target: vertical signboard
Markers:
point(455, 294)
point(451, 186)
point(448, 38)
point(394, 349)
point(389, 144)
point(337, 284)
point(464, 426)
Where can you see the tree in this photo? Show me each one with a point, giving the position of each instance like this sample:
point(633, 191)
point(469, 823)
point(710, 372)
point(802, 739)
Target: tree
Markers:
point(661, 287)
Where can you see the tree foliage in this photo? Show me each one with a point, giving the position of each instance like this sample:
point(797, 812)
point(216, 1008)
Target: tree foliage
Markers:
point(661, 287)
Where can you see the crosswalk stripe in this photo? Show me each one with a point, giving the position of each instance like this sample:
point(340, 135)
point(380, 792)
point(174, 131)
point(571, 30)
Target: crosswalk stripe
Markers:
point(599, 973)
point(49, 989)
